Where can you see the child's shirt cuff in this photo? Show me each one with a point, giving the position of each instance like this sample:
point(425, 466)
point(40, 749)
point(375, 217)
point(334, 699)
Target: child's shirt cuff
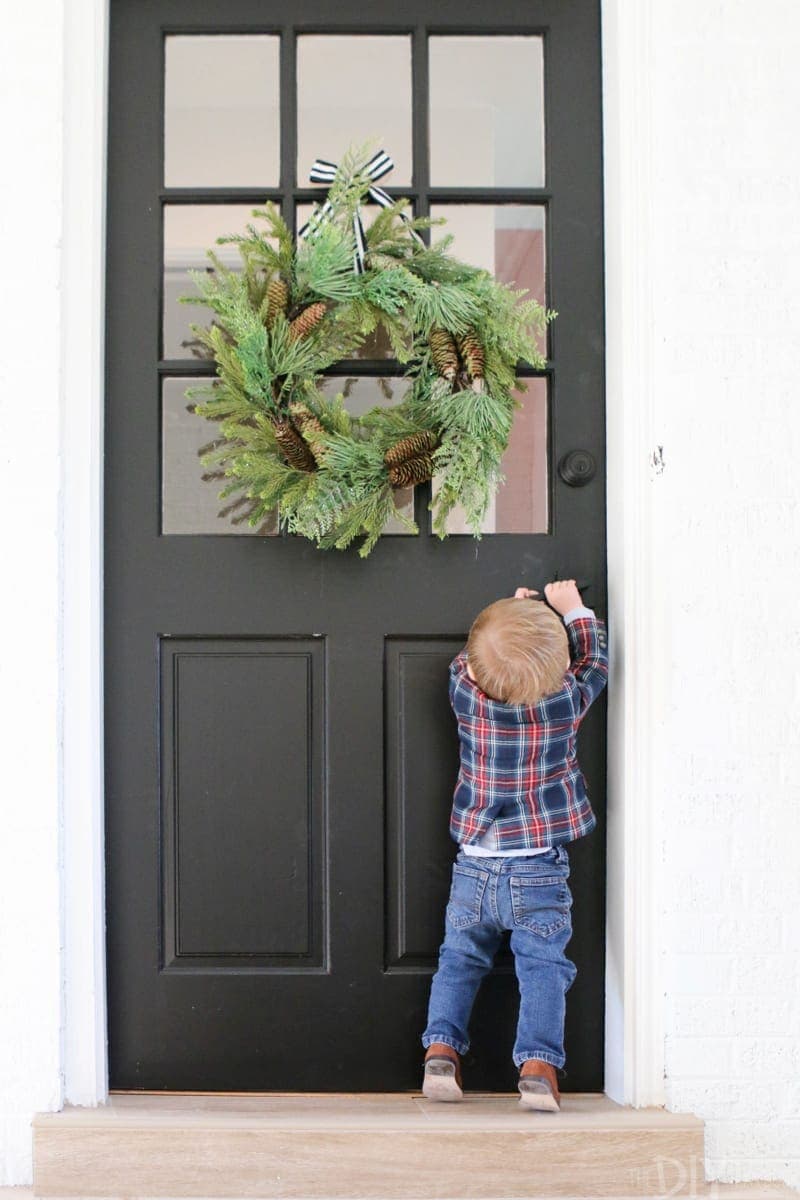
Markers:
point(580, 610)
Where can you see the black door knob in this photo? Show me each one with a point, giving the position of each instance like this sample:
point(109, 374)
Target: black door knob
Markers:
point(577, 468)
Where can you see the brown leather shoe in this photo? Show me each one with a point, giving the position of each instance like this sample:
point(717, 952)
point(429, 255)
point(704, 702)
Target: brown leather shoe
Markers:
point(538, 1086)
point(442, 1078)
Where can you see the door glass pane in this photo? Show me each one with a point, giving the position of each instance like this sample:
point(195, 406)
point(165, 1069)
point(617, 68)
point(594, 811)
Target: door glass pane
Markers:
point(376, 344)
point(190, 230)
point(486, 111)
point(520, 505)
point(508, 240)
point(190, 503)
point(351, 89)
point(221, 111)
point(362, 394)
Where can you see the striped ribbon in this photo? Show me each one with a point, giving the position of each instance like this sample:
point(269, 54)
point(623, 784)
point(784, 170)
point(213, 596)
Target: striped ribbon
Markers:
point(324, 172)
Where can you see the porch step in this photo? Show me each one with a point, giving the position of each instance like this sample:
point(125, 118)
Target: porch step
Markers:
point(385, 1147)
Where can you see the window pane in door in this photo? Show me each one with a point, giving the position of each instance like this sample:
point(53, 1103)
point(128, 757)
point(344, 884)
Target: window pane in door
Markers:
point(351, 88)
point(359, 396)
point(189, 231)
point(221, 111)
point(190, 503)
point(486, 111)
point(375, 344)
point(520, 505)
point(507, 239)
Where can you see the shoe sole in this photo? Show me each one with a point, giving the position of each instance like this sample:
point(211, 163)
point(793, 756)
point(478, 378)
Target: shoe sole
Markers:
point(439, 1083)
point(535, 1093)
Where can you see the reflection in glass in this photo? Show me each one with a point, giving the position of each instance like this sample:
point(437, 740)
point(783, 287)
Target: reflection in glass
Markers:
point(360, 395)
point(486, 111)
point(189, 231)
point(190, 503)
point(508, 240)
point(520, 505)
point(221, 111)
point(351, 88)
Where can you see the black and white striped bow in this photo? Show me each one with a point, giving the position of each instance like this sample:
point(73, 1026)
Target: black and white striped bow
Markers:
point(324, 172)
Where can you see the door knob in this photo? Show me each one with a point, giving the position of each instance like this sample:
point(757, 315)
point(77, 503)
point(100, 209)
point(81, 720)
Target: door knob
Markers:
point(577, 468)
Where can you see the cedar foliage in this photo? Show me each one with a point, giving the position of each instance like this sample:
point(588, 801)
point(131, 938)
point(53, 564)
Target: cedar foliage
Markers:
point(295, 309)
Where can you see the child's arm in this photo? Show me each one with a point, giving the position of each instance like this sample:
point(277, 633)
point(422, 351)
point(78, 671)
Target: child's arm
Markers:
point(587, 640)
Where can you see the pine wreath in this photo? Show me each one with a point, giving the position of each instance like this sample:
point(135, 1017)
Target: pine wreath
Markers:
point(299, 306)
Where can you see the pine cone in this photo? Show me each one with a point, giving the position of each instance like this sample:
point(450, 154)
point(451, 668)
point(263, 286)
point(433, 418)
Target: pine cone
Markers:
point(413, 470)
point(309, 426)
point(292, 446)
point(471, 352)
point(443, 352)
point(308, 318)
point(304, 419)
point(277, 299)
point(410, 447)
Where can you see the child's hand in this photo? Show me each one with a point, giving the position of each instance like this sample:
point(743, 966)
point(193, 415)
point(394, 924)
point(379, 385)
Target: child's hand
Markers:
point(525, 594)
point(562, 595)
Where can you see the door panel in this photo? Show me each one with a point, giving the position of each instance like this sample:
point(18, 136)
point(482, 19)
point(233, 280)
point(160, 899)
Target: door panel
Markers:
point(421, 757)
point(243, 881)
point(280, 754)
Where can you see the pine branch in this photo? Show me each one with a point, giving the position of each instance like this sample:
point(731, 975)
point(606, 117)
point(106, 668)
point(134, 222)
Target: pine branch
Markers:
point(324, 265)
point(448, 305)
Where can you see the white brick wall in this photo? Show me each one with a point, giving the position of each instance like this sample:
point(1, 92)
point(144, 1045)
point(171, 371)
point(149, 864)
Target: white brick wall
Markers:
point(726, 97)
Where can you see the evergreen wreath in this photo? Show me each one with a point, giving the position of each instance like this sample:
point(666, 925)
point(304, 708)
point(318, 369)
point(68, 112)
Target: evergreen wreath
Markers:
point(299, 307)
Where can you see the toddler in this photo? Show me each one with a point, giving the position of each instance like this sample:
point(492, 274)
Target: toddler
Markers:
point(519, 690)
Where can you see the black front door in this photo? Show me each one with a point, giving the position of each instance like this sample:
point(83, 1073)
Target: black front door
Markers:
point(280, 754)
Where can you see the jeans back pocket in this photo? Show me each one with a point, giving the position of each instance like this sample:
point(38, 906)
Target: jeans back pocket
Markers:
point(466, 895)
point(541, 903)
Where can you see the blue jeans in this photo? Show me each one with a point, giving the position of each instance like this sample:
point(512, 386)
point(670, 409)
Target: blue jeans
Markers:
point(531, 897)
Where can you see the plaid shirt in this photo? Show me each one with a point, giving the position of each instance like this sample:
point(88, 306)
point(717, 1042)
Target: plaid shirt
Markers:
point(519, 772)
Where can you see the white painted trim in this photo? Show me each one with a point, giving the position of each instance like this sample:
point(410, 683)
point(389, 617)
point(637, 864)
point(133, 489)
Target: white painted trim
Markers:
point(634, 982)
point(634, 990)
point(84, 1059)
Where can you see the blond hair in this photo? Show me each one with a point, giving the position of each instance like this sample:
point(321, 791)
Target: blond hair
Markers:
point(518, 651)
